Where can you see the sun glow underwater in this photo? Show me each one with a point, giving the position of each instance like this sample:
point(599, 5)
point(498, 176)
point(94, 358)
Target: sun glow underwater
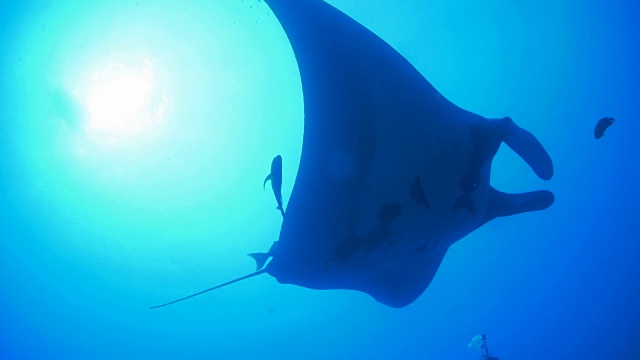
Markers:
point(123, 102)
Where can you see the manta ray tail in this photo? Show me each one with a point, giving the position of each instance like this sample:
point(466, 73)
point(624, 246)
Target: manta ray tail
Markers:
point(213, 288)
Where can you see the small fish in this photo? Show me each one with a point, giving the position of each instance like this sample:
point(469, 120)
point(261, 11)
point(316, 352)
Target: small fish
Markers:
point(276, 181)
point(601, 126)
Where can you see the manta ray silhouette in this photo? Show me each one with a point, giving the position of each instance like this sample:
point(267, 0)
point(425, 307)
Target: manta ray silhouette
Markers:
point(391, 172)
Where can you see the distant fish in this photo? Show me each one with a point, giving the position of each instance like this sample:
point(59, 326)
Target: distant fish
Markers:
point(276, 181)
point(601, 126)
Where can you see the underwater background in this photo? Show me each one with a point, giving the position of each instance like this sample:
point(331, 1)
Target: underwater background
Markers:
point(135, 136)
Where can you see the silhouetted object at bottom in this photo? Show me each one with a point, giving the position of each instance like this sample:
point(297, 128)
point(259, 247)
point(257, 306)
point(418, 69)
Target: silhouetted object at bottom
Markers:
point(479, 342)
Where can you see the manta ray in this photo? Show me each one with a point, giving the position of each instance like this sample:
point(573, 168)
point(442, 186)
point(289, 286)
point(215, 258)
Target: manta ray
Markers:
point(391, 172)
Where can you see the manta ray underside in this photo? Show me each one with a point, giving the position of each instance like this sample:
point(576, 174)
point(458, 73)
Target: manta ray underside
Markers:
point(391, 172)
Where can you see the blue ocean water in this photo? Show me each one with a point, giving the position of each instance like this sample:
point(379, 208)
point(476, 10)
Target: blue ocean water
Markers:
point(135, 135)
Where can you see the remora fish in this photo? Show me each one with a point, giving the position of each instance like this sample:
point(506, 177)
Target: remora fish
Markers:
point(276, 181)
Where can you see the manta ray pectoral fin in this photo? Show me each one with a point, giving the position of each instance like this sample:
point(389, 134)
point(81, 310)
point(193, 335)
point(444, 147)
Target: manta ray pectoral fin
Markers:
point(503, 204)
point(213, 288)
point(260, 258)
point(529, 149)
point(264, 184)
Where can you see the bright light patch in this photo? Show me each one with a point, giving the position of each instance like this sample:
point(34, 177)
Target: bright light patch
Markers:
point(116, 104)
point(123, 102)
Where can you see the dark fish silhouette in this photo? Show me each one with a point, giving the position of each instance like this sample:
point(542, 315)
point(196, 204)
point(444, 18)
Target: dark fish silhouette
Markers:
point(357, 218)
point(602, 126)
point(276, 181)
